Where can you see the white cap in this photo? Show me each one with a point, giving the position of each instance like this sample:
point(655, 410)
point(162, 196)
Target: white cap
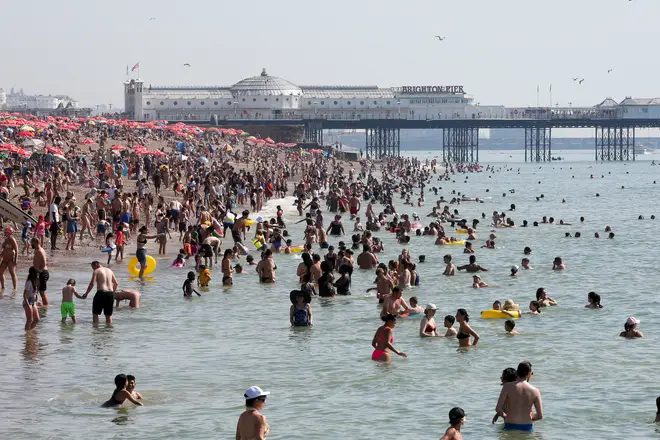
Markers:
point(431, 306)
point(254, 392)
point(631, 321)
point(260, 219)
point(514, 268)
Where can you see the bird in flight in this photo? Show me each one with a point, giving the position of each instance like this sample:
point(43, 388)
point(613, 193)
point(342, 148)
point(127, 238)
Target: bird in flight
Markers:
point(152, 18)
point(439, 37)
point(186, 65)
point(581, 81)
point(609, 71)
point(575, 79)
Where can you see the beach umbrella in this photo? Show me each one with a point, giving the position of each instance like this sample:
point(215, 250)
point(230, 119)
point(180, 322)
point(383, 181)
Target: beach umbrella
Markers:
point(87, 142)
point(3, 156)
point(26, 128)
point(230, 148)
point(158, 153)
point(269, 140)
point(202, 160)
point(26, 133)
point(54, 150)
point(280, 144)
point(118, 148)
point(33, 143)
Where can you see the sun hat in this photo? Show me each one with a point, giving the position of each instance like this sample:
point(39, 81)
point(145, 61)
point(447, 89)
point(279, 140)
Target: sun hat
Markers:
point(254, 391)
point(509, 304)
point(431, 306)
point(632, 321)
point(307, 298)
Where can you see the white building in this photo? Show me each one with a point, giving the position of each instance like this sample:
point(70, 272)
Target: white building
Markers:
point(21, 101)
point(3, 99)
point(270, 97)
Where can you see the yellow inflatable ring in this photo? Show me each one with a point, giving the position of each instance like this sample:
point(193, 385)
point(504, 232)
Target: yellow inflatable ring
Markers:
point(456, 242)
point(134, 266)
point(249, 222)
point(461, 231)
point(296, 249)
point(498, 314)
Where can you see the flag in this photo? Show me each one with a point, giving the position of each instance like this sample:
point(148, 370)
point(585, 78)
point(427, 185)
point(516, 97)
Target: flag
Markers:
point(137, 66)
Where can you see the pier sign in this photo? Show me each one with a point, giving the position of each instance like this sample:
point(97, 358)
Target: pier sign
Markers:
point(431, 90)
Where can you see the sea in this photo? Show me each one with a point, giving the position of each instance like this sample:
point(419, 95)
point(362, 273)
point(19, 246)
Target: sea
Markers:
point(193, 359)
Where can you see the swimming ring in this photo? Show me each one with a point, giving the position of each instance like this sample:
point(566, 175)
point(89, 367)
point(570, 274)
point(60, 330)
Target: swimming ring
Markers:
point(456, 242)
point(296, 249)
point(249, 222)
point(134, 267)
point(498, 314)
point(461, 231)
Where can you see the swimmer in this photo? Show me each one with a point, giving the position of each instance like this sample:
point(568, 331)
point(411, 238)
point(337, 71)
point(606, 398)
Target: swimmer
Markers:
point(188, 286)
point(594, 301)
point(68, 307)
point(226, 268)
point(477, 283)
point(534, 308)
point(657, 405)
point(519, 397)
point(508, 375)
point(130, 387)
point(472, 266)
point(300, 313)
point(449, 325)
point(464, 330)
point(456, 420)
point(120, 394)
point(543, 299)
point(382, 341)
point(132, 296)
point(415, 308)
point(450, 269)
point(558, 264)
point(510, 327)
point(204, 276)
point(251, 424)
point(525, 264)
point(428, 327)
point(393, 303)
point(630, 329)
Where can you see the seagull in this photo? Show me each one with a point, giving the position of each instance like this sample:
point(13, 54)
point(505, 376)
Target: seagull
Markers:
point(575, 79)
point(186, 65)
point(152, 18)
point(439, 37)
point(609, 71)
point(581, 81)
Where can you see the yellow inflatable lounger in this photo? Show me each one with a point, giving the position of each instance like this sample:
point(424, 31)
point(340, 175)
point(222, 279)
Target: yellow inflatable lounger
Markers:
point(461, 231)
point(456, 242)
point(499, 314)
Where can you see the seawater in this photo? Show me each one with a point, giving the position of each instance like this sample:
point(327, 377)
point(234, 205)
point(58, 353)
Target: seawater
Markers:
point(194, 359)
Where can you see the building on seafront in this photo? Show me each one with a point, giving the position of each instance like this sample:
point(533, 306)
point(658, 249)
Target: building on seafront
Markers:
point(40, 105)
point(269, 97)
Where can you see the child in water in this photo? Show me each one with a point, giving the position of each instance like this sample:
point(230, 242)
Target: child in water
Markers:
point(188, 286)
point(179, 261)
point(415, 308)
point(68, 308)
point(508, 375)
point(449, 325)
point(510, 327)
point(204, 276)
point(110, 244)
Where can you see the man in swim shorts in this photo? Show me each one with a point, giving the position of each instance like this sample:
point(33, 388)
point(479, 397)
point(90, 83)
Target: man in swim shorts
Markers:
point(39, 262)
point(519, 397)
point(104, 299)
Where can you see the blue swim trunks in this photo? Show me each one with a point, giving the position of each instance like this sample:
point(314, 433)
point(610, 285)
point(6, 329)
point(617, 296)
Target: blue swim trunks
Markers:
point(518, 427)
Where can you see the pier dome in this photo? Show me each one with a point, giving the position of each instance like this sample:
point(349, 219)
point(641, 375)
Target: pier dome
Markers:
point(265, 85)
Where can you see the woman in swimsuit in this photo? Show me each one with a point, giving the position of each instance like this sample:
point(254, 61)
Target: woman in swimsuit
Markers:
point(382, 342)
point(71, 225)
point(120, 394)
point(428, 328)
point(300, 314)
point(9, 255)
point(464, 329)
point(226, 268)
point(630, 329)
point(30, 299)
point(141, 252)
point(543, 299)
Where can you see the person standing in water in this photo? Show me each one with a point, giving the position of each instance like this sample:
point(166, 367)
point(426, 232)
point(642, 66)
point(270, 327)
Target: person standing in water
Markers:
point(104, 299)
point(40, 264)
point(120, 394)
point(456, 420)
point(141, 252)
point(383, 338)
point(251, 424)
point(519, 397)
point(464, 329)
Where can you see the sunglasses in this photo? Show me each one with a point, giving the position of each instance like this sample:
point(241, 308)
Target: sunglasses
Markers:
point(262, 398)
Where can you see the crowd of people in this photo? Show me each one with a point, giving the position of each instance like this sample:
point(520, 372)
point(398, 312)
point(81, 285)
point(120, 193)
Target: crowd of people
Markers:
point(108, 191)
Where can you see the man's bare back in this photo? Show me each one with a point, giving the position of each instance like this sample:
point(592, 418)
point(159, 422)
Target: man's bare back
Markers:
point(103, 277)
point(251, 426)
point(517, 399)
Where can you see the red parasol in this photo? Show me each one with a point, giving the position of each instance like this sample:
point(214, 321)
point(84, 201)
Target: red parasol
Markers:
point(118, 148)
point(54, 150)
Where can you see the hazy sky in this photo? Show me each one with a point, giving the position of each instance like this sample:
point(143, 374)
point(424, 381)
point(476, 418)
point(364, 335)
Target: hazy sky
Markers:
point(498, 50)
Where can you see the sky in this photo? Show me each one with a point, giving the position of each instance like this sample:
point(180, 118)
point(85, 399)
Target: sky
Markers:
point(500, 51)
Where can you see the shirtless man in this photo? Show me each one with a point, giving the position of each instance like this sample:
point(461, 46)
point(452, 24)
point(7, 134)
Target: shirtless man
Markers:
point(251, 424)
point(393, 303)
point(238, 231)
point(266, 268)
point(450, 269)
point(104, 299)
point(518, 398)
point(39, 263)
point(367, 260)
point(132, 296)
point(214, 242)
point(472, 267)
point(354, 205)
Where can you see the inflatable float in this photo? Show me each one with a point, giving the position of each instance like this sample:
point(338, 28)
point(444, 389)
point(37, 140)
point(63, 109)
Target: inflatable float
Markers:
point(108, 249)
point(499, 314)
point(461, 231)
point(456, 243)
point(134, 266)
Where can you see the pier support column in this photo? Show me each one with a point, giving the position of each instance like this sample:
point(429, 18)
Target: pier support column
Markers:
point(538, 144)
point(382, 142)
point(314, 132)
point(615, 143)
point(460, 145)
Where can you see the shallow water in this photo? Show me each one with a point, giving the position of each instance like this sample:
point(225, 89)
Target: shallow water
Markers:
point(194, 359)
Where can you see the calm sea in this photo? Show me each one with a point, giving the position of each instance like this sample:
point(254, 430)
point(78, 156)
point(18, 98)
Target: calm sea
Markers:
point(194, 359)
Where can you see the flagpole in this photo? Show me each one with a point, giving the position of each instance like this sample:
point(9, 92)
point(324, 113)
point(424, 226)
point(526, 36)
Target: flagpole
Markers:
point(550, 95)
point(538, 91)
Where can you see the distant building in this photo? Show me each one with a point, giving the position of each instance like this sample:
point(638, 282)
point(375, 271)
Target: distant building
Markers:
point(3, 99)
point(21, 101)
point(270, 97)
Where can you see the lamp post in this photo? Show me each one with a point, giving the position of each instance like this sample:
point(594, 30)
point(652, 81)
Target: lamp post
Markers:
point(398, 103)
point(315, 103)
